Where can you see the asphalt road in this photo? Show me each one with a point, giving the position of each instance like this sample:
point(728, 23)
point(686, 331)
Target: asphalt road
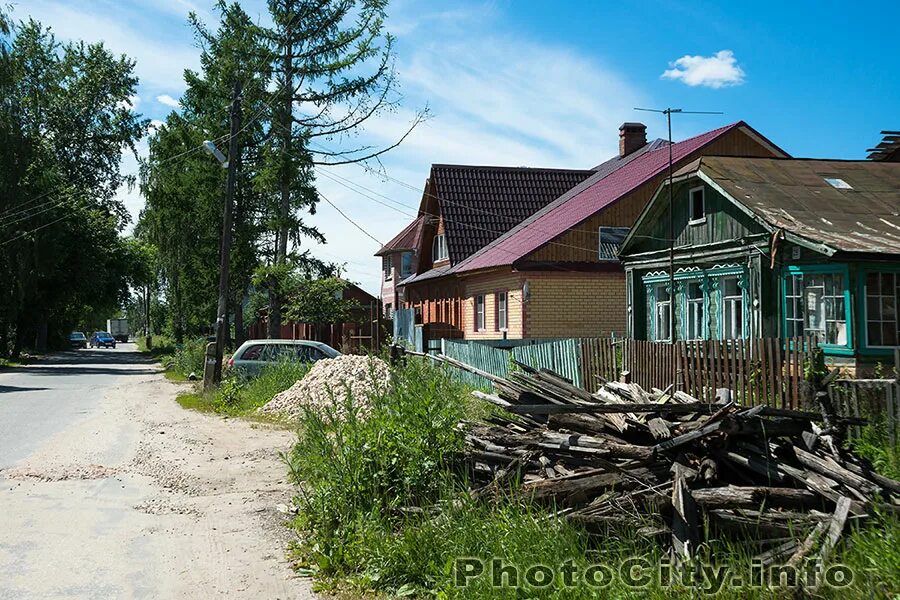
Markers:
point(42, 399)
point(109, 489)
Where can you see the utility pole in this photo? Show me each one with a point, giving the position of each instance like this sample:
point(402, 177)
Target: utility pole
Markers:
point(668, 112)
point(225, 258)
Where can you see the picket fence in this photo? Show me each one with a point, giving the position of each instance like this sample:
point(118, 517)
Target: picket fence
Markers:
point(768, 371)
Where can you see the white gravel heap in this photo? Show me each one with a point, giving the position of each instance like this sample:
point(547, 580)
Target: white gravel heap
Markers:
point(361, 374)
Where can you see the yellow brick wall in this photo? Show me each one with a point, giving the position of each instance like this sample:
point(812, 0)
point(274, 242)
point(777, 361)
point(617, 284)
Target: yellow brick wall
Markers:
point(489, 284)
point(575, 304)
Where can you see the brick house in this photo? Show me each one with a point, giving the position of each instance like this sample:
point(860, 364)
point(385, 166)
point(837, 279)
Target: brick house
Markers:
point(464, 208)
point(554, 272)
point(398, 262)
point(772, 248)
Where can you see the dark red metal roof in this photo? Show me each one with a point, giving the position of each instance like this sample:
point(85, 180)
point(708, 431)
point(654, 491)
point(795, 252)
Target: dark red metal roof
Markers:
point(479, 204)
point(594, 194)
point(408, 239)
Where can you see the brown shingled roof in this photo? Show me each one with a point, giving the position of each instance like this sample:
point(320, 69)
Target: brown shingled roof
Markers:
point(481, 203)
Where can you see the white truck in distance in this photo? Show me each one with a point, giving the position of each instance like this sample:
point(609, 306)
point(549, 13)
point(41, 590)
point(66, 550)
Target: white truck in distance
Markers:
point(118, 328)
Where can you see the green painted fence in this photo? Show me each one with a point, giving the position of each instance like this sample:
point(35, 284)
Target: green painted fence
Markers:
point(481, 356)
point(561, 356)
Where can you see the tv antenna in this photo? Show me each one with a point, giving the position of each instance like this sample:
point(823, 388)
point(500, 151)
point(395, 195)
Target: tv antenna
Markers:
point(669, 112)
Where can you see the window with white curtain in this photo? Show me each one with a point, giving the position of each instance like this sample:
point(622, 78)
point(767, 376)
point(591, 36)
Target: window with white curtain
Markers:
point(479, 312)
point(439, 248)
point(732, 309)
point(693, 304)
point(662, 312)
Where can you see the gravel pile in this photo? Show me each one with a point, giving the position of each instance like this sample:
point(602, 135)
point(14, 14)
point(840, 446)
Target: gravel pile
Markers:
point(361, 374)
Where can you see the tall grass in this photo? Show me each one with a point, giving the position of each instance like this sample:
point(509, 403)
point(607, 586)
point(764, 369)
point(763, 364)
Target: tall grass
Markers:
point(241, 395)
point(384, 507)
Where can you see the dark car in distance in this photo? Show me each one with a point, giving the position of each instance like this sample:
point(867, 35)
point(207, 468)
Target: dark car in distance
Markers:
point(77, 339)
point(103, 339)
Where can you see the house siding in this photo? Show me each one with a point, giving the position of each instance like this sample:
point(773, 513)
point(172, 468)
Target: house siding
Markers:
point(489, 284)
point(580, 243)
point(575, 304)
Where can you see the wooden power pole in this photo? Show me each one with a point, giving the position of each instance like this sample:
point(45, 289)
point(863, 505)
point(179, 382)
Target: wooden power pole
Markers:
point(225, 258)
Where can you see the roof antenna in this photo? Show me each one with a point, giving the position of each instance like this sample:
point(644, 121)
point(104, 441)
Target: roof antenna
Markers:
point(668, 112)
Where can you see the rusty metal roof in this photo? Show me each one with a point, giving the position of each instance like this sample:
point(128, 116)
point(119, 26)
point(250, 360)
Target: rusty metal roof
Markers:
point(408, 239)
point(888, 149)
point(849, 206)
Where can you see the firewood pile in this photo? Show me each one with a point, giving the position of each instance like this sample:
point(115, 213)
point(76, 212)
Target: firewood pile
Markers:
point(673, 467)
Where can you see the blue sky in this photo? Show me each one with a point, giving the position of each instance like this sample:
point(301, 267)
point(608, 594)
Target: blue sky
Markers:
point(528, 82)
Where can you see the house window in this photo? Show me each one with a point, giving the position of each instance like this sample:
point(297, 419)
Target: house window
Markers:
point(793, 305)
point(479, 312)
point(388, 311)
point(439, 248)
point(694, 300)
point(406, 260)
point(732, 309)
point(882, 297)
point(502, 312)
point(662, 312)
point(815, 306)
point(386, 267)
point(698, 205)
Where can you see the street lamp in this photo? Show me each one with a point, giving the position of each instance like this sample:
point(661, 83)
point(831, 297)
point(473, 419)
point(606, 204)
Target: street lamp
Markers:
point(212, 372)
point(211, 148)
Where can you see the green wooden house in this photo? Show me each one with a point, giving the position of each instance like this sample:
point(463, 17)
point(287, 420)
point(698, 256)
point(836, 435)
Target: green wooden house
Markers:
point(771, 248)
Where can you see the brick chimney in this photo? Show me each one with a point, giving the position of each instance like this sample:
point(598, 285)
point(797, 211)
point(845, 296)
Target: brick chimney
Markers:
point(632, 136)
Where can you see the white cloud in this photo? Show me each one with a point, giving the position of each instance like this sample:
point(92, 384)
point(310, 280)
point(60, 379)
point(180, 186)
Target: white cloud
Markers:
point(495, 98)
point(487, 108)
point(716, 71)
point(168, 100)
point(132, 102)
point(161, 51)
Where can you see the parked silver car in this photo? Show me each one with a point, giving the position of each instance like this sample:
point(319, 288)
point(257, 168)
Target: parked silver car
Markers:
point(253, 355)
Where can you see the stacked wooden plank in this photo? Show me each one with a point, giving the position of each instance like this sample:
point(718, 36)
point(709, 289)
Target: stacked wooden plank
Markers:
point(672, 466)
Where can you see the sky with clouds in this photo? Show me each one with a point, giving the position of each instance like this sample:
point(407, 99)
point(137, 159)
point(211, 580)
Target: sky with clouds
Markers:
point(527, 82)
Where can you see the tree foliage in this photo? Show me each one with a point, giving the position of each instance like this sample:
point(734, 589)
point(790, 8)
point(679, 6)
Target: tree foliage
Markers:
point(317, 72)
point(65, 120)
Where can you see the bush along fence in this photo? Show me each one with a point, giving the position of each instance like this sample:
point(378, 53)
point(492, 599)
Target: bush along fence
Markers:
point(760, 371)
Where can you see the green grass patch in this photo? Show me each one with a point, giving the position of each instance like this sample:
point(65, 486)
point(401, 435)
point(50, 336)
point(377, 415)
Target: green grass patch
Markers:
point(383, 508)
point(175, 376)
point(238, 396)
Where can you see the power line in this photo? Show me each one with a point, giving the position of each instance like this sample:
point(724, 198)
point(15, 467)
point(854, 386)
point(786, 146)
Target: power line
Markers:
point(355, 224)
point(9, 241)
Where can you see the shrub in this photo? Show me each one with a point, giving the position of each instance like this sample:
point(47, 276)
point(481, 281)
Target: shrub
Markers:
point(358, 469)
point(189, 357)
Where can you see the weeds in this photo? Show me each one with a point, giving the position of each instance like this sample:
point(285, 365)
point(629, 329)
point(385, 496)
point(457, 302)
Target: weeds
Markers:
point(242, 395)
point(383, 507)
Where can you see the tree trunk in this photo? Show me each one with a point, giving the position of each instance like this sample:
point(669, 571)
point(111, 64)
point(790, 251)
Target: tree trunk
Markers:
point(239, 337)
point(40, 337)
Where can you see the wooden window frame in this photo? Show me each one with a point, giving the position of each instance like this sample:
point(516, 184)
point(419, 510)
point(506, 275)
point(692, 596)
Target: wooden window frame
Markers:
point(692, 219)
point(442, 238)
point(865, 305)
point(483, 324)
point(505, 326)
point(388, 262)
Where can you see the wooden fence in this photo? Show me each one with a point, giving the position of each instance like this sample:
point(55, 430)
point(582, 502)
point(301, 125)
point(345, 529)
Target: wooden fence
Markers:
point(767, 371)
point(876, 399)
point(758, 371)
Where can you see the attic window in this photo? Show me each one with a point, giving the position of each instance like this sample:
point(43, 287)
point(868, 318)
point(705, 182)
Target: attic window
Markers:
point(698, 205)
point(439, 248)
point(838, 183)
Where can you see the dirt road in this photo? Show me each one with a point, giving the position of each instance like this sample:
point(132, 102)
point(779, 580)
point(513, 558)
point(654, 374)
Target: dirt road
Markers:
point(109, 489)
